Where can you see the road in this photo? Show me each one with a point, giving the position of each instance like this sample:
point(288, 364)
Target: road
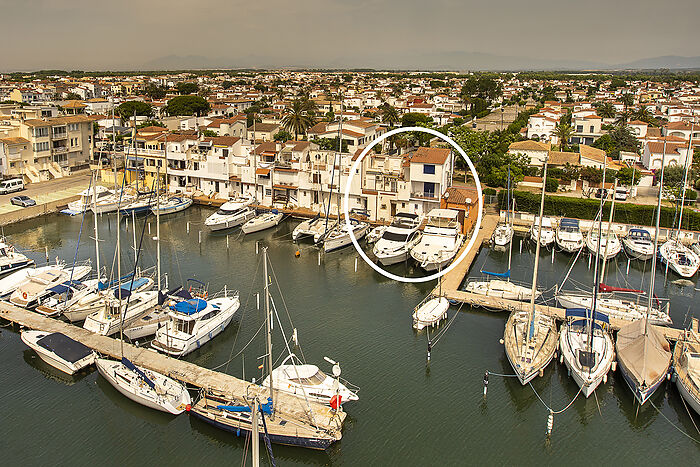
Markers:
point(51, 190)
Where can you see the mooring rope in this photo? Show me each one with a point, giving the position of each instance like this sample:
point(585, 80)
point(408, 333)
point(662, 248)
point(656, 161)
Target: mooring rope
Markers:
point(555, 412)
point(673, 424)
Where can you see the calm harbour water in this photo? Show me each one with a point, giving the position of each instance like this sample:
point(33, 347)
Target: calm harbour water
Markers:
point(408, 413)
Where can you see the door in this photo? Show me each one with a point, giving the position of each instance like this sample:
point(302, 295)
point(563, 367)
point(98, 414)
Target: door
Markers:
point(393, 209)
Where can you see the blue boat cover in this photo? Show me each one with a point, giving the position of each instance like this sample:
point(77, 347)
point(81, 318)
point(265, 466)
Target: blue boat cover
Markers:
point(497, 274)
point(566, 222)
point(275, 211)
point(63, 286)
point(190, 307)
point(264, 408)
point(102, 286)
point(138, 371)
point(639, 233)
point(586, 313)
point(125, 293)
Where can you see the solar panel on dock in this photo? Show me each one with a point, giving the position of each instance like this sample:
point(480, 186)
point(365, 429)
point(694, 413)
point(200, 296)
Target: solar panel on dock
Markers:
point(65, 347)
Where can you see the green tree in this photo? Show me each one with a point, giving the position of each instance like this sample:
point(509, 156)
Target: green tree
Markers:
point(389, 114)
point(620, 138)
point(283, 136)
point(299, 117)
point(227, 84)
point(187, 88)
point(606, 110)
point(154, 91)
point(187, 105)
point(414, 118)
point(71, 96)
point(627, 175)
point(551, 185)
point(127, 110)
point(330, 144)
point(209, 133)
point(563, 132)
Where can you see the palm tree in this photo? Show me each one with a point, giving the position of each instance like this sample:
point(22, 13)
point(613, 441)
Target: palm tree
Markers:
point(299, 118)
point(627, 100)
point(563, 132)
point(389, 114)
point(606, 110)
point(623, 118)
point(643, 114)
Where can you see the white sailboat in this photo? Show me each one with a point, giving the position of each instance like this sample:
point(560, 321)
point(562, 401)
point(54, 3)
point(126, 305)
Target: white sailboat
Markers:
point(530, 338)
point(686, 365)
point(9, 283)
point(375, 234)
point(65, 295)
point(339, 235)
point(88, 197)
point(679, 258)
point(172, 205)
point(263, 221)
point(609, 242)
point(503, 234)
point(31, 293)
point(398, 239)
point(548, 234)
point(313, 227)
point(442, 238)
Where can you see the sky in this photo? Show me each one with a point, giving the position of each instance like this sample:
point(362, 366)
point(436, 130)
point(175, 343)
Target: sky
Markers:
point(131, 34)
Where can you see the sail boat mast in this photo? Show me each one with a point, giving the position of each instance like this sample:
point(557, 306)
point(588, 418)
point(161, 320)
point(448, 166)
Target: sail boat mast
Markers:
point(596, 277)
point(607, 234)
point(158, 226)
point(656, 243)
point(94, 215)
point(688, 159)
point(533, 292)
point(268, 326)
point(510, 246)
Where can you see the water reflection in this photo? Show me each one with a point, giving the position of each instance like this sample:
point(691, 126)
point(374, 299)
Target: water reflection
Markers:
point(34, 361)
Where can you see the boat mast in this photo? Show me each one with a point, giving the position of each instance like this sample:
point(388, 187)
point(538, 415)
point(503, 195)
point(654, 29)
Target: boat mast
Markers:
point(607, 234)
point(340, 152)
point(94, 214)
point(268, 326)
point(656, 245)
point(158, 227)
point(596, 277)
point(256, 434)
point(510, 246)
point(688, 158)
point(114, 149)
point(533, 292)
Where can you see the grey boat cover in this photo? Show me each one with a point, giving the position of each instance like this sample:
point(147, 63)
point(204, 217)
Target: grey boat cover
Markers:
point(647, 357)
point(65, 347)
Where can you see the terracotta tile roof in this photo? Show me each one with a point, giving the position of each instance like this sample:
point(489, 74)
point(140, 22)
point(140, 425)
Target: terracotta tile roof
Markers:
point(223, 140)
point(657, 147)
point(14, 140)
point(460, 195)
point(37, 122)
point(591, 153)
point(430, 156)
point(267, 146)
point(529, 145)
point(561, 158)
point(264, 127)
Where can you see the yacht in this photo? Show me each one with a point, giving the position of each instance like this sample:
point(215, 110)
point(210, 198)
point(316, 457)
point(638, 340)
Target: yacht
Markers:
point(194, 322)
point(679, 258)
point(502, 235)
point(141, 205)
point(112, 202)
point(311, 228)
point(307, 381)
point(263, 221)
point(11, 260)
point(441, 240)
point(395, 244)
point(548, 234)
point(132, 306)
point(586, 348)
point(686, 365)
point(609, 244)
point(87, 196)
point(172, 205)
point(339, 236)
point(36, 288)
point(568, 236)
point(498, 288)
point(96, 300)
point(145, 387)
point(638, 244)
point(66, 294)
point(59, 350)
point(230, 214)
point(375, 234)
point(9, 283)
point(617, 303)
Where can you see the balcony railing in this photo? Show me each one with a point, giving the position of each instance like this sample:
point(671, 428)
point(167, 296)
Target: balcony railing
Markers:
point(424, 195)
point(59, 150)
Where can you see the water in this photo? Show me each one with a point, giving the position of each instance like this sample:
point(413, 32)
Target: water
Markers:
point(408, 413)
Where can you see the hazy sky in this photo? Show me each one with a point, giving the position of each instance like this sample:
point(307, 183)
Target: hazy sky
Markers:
point(96, 34)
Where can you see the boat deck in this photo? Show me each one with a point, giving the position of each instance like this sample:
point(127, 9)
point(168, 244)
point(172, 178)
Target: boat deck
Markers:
point(288, 407)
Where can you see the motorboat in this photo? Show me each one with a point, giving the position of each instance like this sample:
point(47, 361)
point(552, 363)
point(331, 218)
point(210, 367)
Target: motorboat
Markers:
point(172, 205)
point(9, 283)
point(430, 312)
point(36, 288)
point(686, 365)
point(339, 236)
point(194, 322)
point(229, 215)
point(11, 260)
point(88, 197)
point(568, 235)
point(586, 348)
point(441, 240)
point(610, 244)
point(314, 227)
point(499, 288)
point(148, 324)
point(146, 387)
point(262, 221)
point(548, 234)
point(307, 381)
point(375, 234)
point(131, 307)
point(395, 244)
point(638, 244)
point(66, 294)
point(59, 350)
point(502, 235)
point(96, 300)
point(679, 258)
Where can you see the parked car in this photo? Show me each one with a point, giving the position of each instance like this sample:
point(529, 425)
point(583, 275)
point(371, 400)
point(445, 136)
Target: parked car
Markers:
point(621, 194)
point(10, 186)
point(22, 200)
point(602, 192)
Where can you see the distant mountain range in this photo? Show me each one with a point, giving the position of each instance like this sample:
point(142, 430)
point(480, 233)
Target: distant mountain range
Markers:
point(456, 60)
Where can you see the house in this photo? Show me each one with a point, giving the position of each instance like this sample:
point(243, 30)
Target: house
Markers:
point(537, 151)
point(541, 127)
point(654, 151)
point(430, 174)
point(263, 131)
point(587, 129)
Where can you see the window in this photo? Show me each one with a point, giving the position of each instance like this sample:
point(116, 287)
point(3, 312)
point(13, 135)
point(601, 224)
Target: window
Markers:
point(268, 192)
point(41, 147)
point(579, 128)
point(72, 127)
point(429, 169)
point(592, 129)
point(39, 132)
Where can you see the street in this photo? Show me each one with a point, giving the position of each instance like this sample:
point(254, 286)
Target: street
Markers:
point(51, 190)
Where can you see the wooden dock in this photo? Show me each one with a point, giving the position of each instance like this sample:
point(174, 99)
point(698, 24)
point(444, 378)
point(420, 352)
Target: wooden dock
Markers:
point(453, 280)
point(291, 408)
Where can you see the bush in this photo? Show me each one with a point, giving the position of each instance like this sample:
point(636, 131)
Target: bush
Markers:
point(626, 213)
point(551, 185)
point(489, 191)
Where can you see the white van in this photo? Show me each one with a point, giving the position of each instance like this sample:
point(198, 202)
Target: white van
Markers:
point(10, 186)
point(621, 194)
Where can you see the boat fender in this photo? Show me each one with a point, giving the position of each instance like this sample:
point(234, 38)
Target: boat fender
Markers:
point(209, 334)
point(486, 382)
point(613, 366)
point(605, 378)
point(674, 376)
point(238, 431)
point(501, 341)
point(297, 253)
point(188, 407)
point(561, 358)
point(541, 372)
point(197, 344)
point(668, 376)
point(24, 295)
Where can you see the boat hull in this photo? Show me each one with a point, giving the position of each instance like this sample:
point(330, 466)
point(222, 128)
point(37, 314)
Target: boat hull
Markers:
point(641, 395)
point(28, 337)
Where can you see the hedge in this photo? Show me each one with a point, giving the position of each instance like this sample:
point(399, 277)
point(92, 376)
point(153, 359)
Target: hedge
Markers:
point(579, 208)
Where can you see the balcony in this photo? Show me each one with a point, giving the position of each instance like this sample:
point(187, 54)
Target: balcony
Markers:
point(59, 150)
point(427, 195)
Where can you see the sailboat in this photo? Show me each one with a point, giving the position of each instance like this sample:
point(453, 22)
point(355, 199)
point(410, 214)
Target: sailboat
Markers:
point(548, 234)
point(145, 387)
point(643, 353)
point(431, 311)
point(530, 338)
point(503, 234)
point(232, 413)
point(686, 365)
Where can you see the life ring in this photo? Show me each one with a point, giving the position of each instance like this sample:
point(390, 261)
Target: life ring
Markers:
point(24, 295)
